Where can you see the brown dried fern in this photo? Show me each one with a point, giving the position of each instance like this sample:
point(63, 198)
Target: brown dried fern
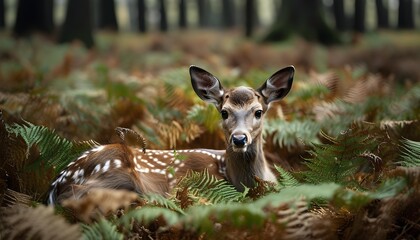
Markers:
point(100, 202)
point(21, 222)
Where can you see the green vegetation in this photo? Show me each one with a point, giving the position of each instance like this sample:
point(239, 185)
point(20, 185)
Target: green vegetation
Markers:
point(345, 142)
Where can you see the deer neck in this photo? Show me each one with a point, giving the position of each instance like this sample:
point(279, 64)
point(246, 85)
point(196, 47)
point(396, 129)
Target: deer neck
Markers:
point(241, 167)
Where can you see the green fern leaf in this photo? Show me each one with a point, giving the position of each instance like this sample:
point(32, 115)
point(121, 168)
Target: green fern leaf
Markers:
point(410, 153)
point(148, 214)
point(102, 229)
point(209, 189)
point(55, 151)
point(323, 191)
point(292, 134)
point(202, 218)
point(339, 161)
point(354, 199)
point(206, 115)
point(286, 178)
point(159, 200)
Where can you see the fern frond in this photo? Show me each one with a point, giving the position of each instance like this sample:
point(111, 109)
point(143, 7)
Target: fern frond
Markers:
point(55, 151)
point(339, 161)
point(11, 198)
point(353, 199)
point(292, 134)
point(207, 189)
point(202, 218)
point(286, 178)
point(206, 115)
point(102, 229)
point(99, 203)
point(410, 153)
point(307, 91)
point(159, 200)
point(309, 192)
point(20, 222)
point(148, 214)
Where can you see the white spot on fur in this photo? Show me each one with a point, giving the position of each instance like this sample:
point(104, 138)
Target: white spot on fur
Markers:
point(75, 175)
point(106, 166)
point(97, 149)
point(156, 160)
point(117, 163)
point(97, 168)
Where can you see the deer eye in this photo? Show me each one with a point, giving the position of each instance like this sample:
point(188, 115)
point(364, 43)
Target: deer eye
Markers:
point(225, 114)
point(258, 114)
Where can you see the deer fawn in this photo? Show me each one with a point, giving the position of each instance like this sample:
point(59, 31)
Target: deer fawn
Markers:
point(242, 109)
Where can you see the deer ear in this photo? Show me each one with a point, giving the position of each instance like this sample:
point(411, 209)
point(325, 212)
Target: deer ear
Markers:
point(278, 85)
point(206, 86)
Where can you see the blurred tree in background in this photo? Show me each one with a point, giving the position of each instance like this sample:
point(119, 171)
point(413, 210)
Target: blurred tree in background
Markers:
point(2, 15)
point(107, 17)
point(78, 24)
point(141, 14)
point(309, 19)
point(359, 15)
point(305, 18)
point(34, 16)
point(340, 15)
point(405, 14)
point(382, 14)
point(229, 9)
point(182, 14)
point(163, 23)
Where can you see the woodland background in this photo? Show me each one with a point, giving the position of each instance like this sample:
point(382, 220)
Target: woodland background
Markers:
point(344, 142)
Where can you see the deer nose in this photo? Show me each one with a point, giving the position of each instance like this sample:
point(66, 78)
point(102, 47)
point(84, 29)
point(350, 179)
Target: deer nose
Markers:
point(239, 140)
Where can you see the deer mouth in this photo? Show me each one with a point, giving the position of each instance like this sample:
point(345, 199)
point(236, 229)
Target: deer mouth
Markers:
point(239, 149)
point(239, 142)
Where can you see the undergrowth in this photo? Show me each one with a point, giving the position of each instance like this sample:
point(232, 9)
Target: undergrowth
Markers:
point(344, 144)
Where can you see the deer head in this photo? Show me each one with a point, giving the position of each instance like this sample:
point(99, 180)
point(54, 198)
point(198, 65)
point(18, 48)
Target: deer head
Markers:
point(242, 110)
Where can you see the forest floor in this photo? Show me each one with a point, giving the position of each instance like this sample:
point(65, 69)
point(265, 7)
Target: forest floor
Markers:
point(348, 132)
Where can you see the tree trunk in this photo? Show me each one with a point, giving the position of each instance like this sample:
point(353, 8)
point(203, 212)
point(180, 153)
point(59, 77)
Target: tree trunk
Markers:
point(107, 16)
point(305, 18)
point(382, 15)
point(202, 13)
point(78, 24)
point(141, 14)
point(34, 16)
point(228, 13)
point(249, 17)
point(2, 15)
point(359, 15)
point(405, 14)
point(340, 15)
point(182, 14)
point(163, 18)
